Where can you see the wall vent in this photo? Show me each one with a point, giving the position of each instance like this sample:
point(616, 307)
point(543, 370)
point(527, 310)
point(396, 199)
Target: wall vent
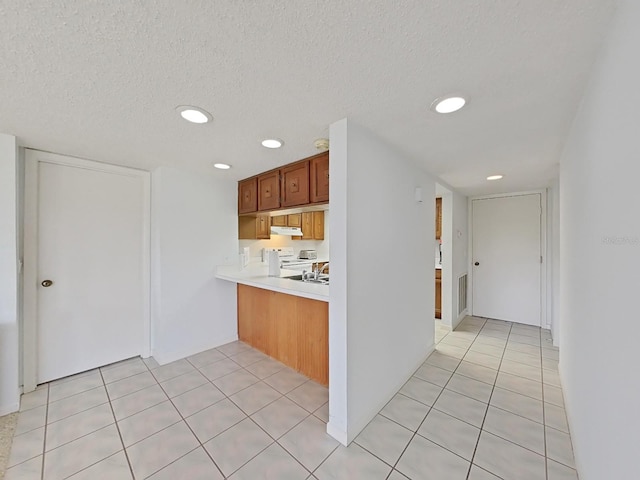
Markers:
point(462, 293)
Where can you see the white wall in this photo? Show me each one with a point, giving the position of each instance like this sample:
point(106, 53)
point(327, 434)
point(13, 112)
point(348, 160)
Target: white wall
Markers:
point(553, 261)
point(194, 224)
point(600, 260)
point(381, 306)
point(9, 361)
point(460, 249)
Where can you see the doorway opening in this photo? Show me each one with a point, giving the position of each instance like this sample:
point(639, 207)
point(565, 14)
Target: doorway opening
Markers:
point(443, 258)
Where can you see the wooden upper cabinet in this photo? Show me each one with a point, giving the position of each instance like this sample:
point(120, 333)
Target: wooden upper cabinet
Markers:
point(254, 226)
point(248, 195)
point(269, 190)
point(312, 226)
point(307, 226)
point(319, 178)
point(263, 227)
point(279, 221)
point(300, 183)
point(318, 225)
point(294, 220)
point(438, 218)
point(295, 184)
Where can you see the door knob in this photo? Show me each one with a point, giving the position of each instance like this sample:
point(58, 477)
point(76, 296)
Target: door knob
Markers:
point(477, 263)
point(46, 283)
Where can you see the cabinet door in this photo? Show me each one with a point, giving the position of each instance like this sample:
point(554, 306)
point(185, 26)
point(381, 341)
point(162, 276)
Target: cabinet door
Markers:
point(263, 227)
point(286, 321)
point(248, 195)
point(319, 178)
point(279, 221)
point(295, 184)
point(438, 218)
point(269, 190)
point(307, 226)
point(313, 339)
point(318, 225)
point(251, 227)
point(294, 220)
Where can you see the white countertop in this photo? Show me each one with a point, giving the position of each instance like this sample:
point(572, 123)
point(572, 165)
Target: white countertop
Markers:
point(256, 275)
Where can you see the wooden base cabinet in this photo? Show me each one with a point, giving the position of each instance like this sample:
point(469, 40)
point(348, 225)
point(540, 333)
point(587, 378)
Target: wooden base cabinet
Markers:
point(293, 330)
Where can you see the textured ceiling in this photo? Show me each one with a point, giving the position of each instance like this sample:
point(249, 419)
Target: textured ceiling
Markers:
point(101, 80)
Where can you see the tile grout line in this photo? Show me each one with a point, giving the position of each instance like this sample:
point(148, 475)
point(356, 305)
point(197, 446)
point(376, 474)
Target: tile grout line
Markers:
point(87, 434)
point(44, 440)
point(179, 413)
point(124, 449)
point(313, 414)
point(282, 395)
point(393, 467)
point(473, 455)
point(209, 381)
point(276, 441)
point(544, 415)
point(183, 420)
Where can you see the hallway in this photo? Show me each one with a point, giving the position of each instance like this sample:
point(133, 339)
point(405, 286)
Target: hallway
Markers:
point(486, 405)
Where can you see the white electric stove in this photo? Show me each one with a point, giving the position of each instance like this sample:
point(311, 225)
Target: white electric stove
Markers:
point(288, 259)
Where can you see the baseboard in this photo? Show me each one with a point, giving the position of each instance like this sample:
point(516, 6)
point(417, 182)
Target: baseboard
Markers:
point(167, 357)
point(7, 409)
point(354, 430)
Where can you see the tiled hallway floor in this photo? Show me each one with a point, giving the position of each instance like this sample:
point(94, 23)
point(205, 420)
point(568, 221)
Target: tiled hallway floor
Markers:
point(485, 405)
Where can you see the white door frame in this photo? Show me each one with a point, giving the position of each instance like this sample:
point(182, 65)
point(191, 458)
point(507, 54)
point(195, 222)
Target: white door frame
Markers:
point(543, 248)
point(30, 312)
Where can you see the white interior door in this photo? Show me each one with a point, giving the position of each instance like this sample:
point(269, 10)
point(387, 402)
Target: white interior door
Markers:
point(506, 258)
point(92, 244)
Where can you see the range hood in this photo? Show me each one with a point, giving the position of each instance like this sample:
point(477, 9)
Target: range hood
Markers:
point(291, 231)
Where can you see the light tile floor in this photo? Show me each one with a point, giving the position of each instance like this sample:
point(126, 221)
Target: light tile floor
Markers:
point(486, 405)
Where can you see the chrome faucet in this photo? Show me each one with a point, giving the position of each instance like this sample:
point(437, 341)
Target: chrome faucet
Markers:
point(318, 271)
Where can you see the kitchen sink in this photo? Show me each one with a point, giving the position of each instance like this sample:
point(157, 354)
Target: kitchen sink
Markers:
point(322, 279)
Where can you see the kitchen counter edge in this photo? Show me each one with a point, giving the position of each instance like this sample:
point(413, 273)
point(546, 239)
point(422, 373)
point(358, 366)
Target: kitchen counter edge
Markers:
point(257, 276)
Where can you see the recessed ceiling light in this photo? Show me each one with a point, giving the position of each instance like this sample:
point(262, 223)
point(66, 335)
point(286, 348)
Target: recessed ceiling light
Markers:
point(448, 104)
point(222, 166)
point(272, 143)
point(194, 114)
point(494, 177)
